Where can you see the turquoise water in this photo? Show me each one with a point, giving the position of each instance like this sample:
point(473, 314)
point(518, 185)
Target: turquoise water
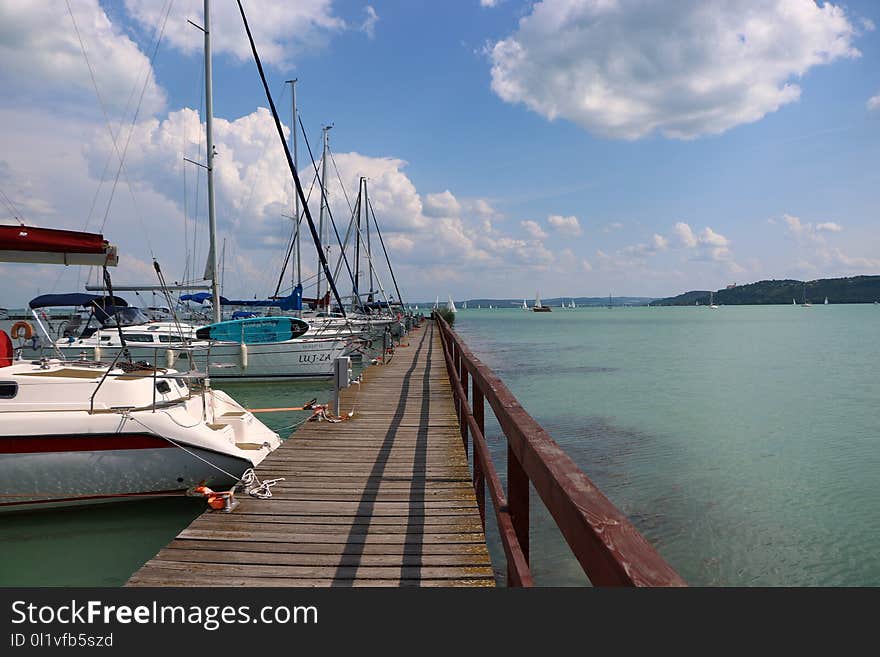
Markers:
point(743, 442)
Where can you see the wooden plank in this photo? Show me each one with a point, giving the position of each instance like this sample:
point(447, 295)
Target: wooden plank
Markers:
point(383, 499)
point(308, 559)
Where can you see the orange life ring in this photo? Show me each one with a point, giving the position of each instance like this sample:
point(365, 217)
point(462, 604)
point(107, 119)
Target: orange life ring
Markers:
point(23, 326)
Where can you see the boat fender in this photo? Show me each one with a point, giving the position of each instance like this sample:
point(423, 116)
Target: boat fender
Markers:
point(22, 329)
point(244, 356)
point(170, 356)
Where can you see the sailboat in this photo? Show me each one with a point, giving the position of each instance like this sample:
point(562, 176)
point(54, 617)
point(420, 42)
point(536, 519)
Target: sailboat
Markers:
point(464, 305)
point(826, 301)
point(712, 304)
point(525, 306)
point(539, 307)
point(572, 304)
point(610, 305)
point(806, 304)
point(450, 305)
point(82, 432)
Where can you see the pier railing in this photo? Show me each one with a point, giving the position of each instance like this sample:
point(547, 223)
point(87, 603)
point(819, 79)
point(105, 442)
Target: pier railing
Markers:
point(608, 547)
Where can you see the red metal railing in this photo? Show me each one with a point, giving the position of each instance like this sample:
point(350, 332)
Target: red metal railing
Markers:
point(610, 549)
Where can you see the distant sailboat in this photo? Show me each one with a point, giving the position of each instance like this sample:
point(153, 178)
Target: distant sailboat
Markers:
point(806, 304)
point(450, 305)
point(539, 307)
point(525, 306)
point(464, 305)
point(793, 302)
point(712, 304)
point(610, 304)
point(573, 304)
point(826, 301)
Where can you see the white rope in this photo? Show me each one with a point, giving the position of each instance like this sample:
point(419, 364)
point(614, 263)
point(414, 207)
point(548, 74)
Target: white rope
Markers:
point(256, 488)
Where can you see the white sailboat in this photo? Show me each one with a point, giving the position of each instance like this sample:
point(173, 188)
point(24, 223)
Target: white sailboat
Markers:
point(806, 304)
point(539, 307)
point(81, 431)
point(450, 305)
point(525, 305)
point(826, 302)
point(712, 304)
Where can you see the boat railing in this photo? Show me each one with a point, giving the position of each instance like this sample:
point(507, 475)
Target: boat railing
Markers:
point(609, 548)
point(153, 370)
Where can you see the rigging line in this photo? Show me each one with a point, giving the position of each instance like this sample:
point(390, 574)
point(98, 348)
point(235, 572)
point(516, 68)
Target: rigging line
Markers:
point(382, 242)
point(347, 236)
point(339, 178)
point(326, 202)
point(128, 139)
point(103, 107)
point(292, 168)
point(16, 214)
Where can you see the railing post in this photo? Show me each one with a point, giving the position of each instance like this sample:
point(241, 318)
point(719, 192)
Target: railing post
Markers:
point(518, 504)
point(462, 419)
point(479, 477)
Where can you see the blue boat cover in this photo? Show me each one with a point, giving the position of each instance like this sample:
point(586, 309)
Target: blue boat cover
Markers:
point(292, 302)
point(75, 299)
point(254, 330)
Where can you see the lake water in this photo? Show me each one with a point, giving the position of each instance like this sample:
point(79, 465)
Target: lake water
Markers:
point(743, 442)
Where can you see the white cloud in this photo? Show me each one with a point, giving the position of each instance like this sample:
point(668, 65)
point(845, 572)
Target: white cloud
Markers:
point(281, 29)
point(565, 225)
point(711, 238)
point(489, 3)
point(807, 231)
point(41, 60)
point(533, 228)
point(585, 265)
point(660, 242)
point(443, 204)
point(685, 235)
point(253, 191)
point(369, 24)
point(873, 103)
point(626, 68)
point(615, 225)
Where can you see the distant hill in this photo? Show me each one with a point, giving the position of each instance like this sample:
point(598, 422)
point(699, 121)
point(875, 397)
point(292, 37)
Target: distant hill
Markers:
point(553, 302)
point(855, 289)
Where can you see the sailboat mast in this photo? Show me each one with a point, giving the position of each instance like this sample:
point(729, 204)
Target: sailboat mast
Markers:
point(295, 274)
point(369, 249)
point(324, 202)
point(209, 139)
point(357, 243)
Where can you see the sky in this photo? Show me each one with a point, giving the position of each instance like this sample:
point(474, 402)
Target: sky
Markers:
point(564, 147)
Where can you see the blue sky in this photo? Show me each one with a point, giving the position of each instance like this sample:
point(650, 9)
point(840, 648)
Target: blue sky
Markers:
point(575, 147)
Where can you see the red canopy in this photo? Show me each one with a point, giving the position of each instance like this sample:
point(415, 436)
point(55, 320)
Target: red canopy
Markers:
point(29, 244)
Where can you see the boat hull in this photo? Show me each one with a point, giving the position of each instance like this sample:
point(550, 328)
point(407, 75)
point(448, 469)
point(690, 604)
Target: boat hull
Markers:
point(292, 359)
point(72, 469)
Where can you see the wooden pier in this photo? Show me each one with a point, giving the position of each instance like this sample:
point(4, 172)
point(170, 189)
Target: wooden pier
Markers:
point(382, 499)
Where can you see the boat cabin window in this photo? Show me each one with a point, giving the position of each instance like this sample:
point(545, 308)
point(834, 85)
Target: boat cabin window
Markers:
point(138, 337)
point(169, 338)
point(8, 389)
point(163, 387)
